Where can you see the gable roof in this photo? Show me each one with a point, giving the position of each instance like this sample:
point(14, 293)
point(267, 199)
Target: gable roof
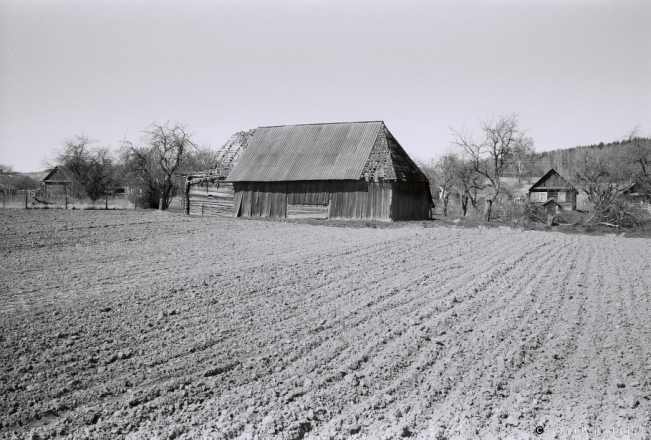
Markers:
point(552, 181)
point(58, 175)
point(338, 151)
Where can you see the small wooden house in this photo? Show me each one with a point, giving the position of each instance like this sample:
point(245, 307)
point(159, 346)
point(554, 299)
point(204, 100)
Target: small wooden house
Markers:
point(553, 186)
point(58, 182)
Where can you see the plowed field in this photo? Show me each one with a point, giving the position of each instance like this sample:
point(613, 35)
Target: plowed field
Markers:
point(156, 325)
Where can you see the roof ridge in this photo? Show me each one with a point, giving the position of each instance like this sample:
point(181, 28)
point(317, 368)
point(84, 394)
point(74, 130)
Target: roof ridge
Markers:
point(319, 123)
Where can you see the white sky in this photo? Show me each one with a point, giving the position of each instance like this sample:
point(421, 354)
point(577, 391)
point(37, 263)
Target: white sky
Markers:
point(577, 72)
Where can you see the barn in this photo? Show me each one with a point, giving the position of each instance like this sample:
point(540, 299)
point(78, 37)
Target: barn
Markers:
point(351, 170)
point(553, 186)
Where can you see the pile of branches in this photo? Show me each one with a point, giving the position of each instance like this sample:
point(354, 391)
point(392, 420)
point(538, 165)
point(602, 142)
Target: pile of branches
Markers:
point(619, 212)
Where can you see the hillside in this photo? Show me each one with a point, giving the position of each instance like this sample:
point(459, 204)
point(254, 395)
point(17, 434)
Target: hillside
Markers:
point(562, 159)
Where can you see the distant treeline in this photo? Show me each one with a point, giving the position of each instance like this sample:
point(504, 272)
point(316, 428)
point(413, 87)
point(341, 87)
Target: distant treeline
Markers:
point(563, 160)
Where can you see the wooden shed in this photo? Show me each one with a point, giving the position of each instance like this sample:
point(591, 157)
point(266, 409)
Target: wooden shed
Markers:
point(352, 170)
point(553, 186)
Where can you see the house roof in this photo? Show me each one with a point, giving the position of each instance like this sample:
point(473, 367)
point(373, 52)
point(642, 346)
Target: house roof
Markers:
point(552, 181)
point(58, 175)
point(337, 151)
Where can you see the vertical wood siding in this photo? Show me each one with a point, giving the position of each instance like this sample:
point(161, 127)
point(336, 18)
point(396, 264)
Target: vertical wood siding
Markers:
point(411, 201)
point(346, 199)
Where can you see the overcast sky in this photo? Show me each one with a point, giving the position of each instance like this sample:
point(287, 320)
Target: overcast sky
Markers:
point(577, 72)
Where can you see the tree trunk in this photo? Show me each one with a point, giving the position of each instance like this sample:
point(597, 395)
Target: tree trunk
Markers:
point(464, 204)
point(445, 205)
point(488, 206)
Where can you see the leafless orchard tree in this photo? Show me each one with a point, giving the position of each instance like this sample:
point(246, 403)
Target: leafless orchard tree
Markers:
point(453, 174)
point(446, 170)
point(92, 167)
point(522, 158)
point(603, 178)
point(161, 152)
point(470, 184)
point(494, 153)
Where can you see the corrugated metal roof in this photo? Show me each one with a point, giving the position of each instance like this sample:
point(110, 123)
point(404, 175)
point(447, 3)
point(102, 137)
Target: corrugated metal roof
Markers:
point(307, 152)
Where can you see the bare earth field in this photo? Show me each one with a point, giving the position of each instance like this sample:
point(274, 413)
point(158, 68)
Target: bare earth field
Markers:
point(126, 324)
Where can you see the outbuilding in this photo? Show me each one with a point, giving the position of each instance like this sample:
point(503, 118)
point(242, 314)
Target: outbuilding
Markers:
point(351, 170)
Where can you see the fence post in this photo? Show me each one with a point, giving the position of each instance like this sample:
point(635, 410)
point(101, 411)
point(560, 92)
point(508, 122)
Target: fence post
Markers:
point(186, 198)
point(25, 201)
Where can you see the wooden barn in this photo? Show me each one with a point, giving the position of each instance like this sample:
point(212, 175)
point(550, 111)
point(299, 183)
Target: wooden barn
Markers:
point(354, 170)
point(553, 186)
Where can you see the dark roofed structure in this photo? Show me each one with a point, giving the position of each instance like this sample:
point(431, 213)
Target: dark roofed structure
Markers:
point(554, 186)
point(58, 182)
point(350, 170)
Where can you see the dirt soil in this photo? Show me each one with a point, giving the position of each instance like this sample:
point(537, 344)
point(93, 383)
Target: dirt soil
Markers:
point(140, 324)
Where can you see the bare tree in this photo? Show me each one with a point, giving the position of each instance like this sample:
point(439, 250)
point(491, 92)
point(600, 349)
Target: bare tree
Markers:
point(603, 178)
point(522, 157)
point(200, 159)
point(469, 183)
point(161, 153)
point(494, 152)
point(446, 170)
point(92, 167)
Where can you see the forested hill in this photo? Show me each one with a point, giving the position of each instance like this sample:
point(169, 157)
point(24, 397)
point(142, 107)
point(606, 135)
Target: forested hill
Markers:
point(562, 159)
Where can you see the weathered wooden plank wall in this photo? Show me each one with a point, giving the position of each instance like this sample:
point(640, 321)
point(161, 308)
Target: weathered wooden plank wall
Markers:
point(209, 198)
point(410, 201)
point(307, 211)
point(361, 200)
point(347, 199)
